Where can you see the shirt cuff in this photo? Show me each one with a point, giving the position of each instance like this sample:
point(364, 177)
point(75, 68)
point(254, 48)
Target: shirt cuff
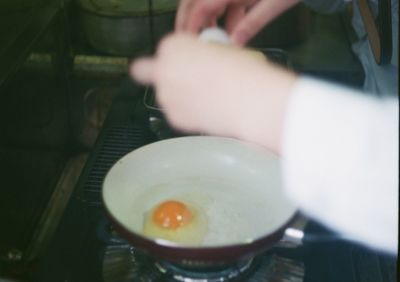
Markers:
point(340, 160)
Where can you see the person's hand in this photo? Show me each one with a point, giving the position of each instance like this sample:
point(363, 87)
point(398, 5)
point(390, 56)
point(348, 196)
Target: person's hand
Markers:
point(243, 18)
point(218, 90)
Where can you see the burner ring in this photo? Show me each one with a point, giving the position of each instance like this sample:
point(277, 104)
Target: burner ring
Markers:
point(124, 263)
point(193, 275)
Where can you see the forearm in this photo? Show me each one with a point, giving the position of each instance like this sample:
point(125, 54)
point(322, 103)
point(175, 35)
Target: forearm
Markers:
point(260, 118)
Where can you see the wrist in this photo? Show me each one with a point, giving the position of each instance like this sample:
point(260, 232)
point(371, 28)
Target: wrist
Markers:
point(262, 119)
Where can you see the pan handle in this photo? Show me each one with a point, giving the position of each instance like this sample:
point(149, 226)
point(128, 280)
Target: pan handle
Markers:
point(295, 236)
point(149, 100)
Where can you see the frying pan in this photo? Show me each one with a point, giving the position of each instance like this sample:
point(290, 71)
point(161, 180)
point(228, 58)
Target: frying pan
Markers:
point(237, 185)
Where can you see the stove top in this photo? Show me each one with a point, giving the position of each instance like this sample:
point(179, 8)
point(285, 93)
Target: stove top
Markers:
point(79, 253)
point(124, 263)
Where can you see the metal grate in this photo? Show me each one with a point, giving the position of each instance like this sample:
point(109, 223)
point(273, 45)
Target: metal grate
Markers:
point(117, 141)
point(124, 263)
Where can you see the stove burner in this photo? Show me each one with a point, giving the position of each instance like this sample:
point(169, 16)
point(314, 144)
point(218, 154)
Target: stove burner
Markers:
point(226, 274)
point(124, 263)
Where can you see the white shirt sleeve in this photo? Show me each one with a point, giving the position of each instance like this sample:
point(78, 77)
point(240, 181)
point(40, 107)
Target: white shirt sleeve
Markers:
point(340, 158)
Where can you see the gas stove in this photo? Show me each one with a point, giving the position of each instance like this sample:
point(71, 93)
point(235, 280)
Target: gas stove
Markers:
point(125, 263)
point(86, 248)
point(121, 261)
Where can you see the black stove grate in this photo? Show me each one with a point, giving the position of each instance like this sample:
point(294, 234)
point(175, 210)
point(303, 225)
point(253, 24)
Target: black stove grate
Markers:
point(116, 141)
point(124, 263)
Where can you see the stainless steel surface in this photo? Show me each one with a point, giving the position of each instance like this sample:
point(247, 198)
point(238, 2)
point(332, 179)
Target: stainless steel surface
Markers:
point(229, 273)
point(160, 128)
point(100, 66)
point(149, 100)
point(128, 33)
point(129, 8)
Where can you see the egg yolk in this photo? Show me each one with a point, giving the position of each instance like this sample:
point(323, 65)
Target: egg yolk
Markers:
point(171, 215)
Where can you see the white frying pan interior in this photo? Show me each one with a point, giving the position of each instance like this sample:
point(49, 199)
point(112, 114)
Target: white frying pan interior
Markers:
point(237, 185)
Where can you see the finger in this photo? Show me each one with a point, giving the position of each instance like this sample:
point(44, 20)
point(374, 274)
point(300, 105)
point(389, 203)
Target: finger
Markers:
point(251, 23)
point(143, 70)
point(212, 22)
point(174, 43)
point(203, 13)
point(182, 14)
point(257, 17)
point(234, 14)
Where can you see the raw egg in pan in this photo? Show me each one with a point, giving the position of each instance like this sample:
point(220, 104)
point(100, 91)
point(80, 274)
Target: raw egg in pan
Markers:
point(176, 221)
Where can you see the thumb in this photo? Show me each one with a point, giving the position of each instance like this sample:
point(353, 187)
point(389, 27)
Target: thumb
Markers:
point(142, 70)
